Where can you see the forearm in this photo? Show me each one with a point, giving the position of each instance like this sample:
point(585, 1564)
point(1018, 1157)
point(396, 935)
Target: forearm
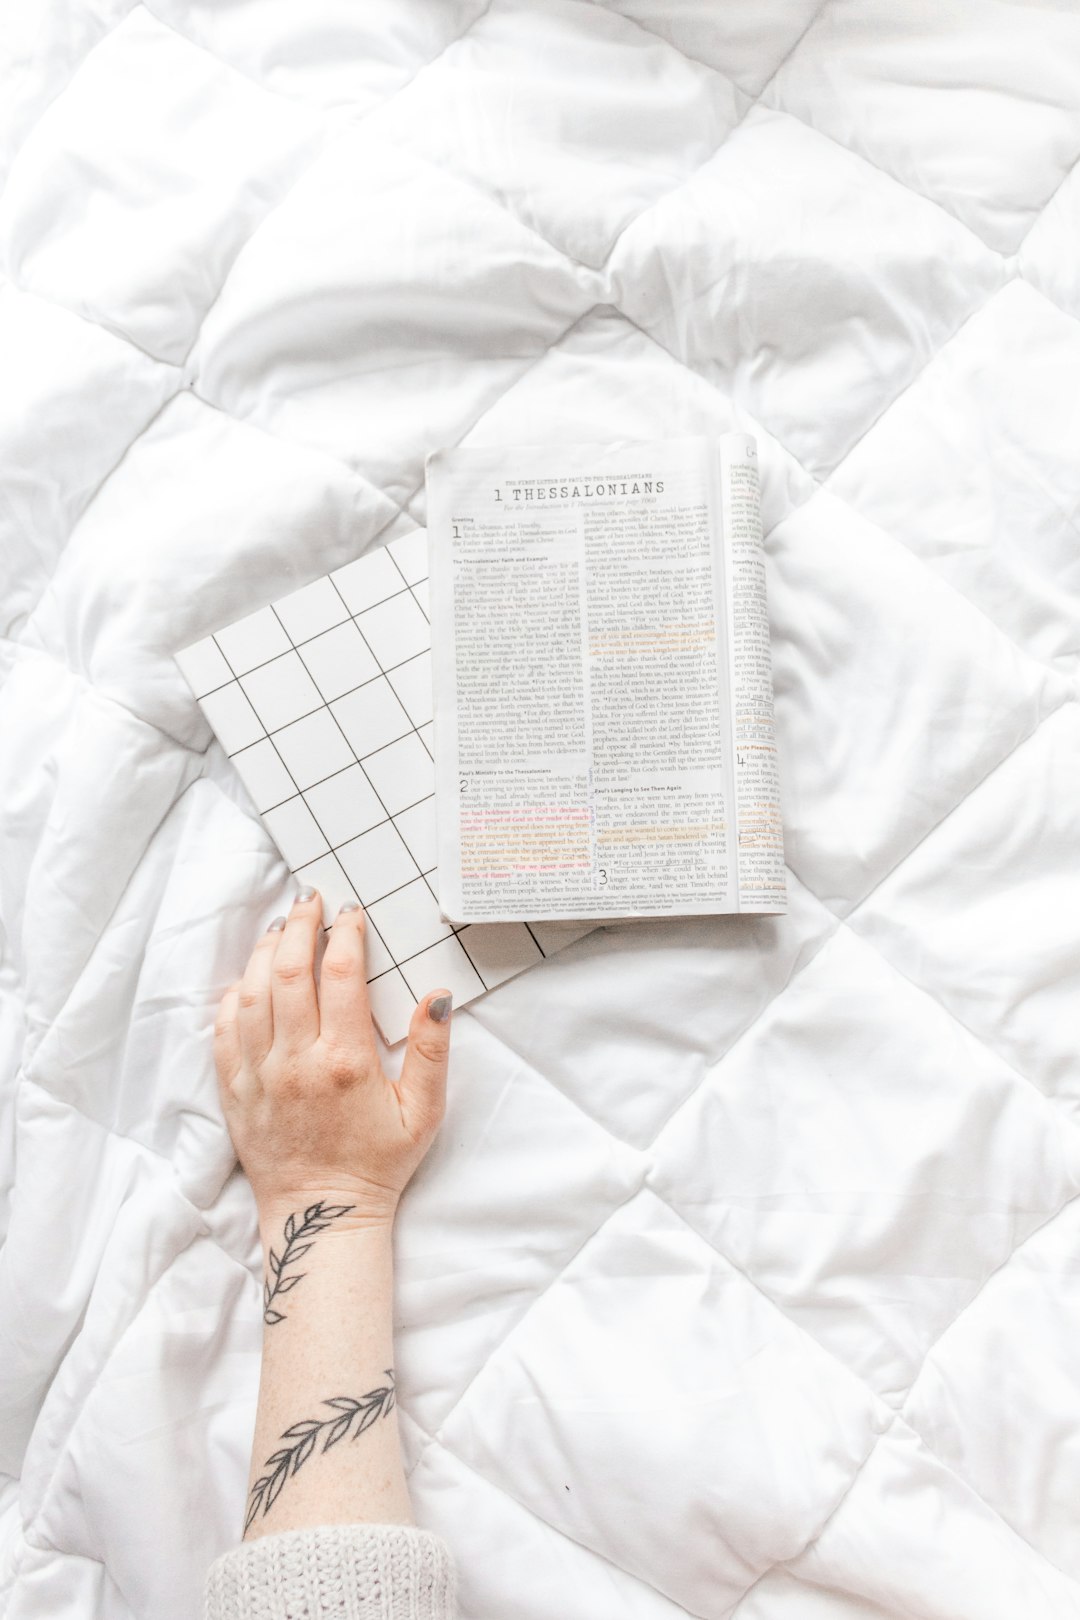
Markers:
point(326, 1448)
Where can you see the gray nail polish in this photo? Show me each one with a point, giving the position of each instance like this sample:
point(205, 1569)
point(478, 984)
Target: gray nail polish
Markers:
point(276, 926)
point(439, 1009)
point(349, 905)
point(304, 894)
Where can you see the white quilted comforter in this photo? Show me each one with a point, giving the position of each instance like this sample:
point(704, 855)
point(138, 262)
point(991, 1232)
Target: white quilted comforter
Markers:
point(745, 1277)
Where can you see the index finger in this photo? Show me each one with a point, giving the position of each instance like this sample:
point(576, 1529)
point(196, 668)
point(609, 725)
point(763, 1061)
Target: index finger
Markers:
point(344, 1009)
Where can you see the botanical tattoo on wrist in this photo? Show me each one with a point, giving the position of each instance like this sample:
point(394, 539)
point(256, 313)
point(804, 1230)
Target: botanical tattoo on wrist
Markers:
point(316, 1218)
point(348, 1413)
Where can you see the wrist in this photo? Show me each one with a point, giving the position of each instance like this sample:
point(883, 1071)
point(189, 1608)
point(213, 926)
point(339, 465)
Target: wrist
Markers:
point(305, 1213)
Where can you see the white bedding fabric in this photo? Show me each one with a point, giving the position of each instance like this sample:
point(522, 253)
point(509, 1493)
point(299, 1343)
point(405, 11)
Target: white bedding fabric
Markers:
point(745, 1276)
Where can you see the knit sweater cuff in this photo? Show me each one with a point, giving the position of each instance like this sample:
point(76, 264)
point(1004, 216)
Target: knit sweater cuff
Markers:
point(334, 1572)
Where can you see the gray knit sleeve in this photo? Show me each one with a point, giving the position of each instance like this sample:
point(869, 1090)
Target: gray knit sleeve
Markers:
point(334, 1572)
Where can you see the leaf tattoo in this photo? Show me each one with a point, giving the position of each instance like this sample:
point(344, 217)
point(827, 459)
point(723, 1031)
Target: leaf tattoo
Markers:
point(316, 1218)
point(348, 1413)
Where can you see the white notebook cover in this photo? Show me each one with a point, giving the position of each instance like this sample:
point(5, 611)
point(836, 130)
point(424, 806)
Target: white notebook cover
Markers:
point(322, 700)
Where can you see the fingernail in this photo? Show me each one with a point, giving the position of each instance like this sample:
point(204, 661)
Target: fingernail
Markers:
point(349, 905)
point(304, 894)
point(439, 1009)
point(276, 926)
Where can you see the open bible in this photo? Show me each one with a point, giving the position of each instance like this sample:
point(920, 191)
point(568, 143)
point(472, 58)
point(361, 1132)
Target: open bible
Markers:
point(603, 731)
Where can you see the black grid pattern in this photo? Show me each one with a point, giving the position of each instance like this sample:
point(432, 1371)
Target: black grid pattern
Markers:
point(387, 1010)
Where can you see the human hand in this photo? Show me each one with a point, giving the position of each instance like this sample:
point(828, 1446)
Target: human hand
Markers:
point(311, 1114)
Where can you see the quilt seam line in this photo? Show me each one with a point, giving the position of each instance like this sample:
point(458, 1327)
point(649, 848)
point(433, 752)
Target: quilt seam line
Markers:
point(965, 319)
point(330, 116)
point(1060, 309)
point(85, 1394)
point(752, 101)
point(975, 787)
point(327, 132)
point(512, 1329)
point(1070, 170)
point(463, 1462)
point(1057, 1108)
point(360, 479)
point(332, 129)
point(700, 60)
point(881, 1435)
point(400, 509)
point(788, 54)
point(1038, 1552)
point(878, 1402)
point(1004, 1523)
point(298, 446)
point(108, 32)
point(297, 180)
point(713, 1062)
point(26, 649)
point(895, 1415)
point(102, 322)
point(931, 1349)
point(1001, 254)
point(709, 1062)
point(621, 1142)
point(814, 949)
point(353, 121)
point(573, 261)
point(820, 484)
point(90, 498)
point(28, 1054)
point(845, 921)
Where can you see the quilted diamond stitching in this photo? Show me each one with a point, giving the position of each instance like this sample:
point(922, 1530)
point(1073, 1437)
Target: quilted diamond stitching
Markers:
point(947, 1009)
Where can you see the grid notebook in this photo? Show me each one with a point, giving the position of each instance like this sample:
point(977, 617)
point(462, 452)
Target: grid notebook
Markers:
point(322, 701)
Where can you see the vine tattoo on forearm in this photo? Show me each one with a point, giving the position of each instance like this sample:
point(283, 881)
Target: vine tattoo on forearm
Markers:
point(316, 1218)
point(348, 1413)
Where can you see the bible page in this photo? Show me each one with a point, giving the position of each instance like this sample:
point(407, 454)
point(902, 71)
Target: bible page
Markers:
point(585, 747)
point(756, 807)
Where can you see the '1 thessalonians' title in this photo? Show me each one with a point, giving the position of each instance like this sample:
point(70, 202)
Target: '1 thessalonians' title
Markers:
point(579, 492)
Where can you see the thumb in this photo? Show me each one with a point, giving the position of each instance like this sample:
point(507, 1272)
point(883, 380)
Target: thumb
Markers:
point(423, 1070)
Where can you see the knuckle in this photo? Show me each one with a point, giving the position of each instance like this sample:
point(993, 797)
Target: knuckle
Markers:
point(431, 1048)
point(290, 973)
point(339, 968)
point(249, 998)
point(341, 1067)
point(223, 1027)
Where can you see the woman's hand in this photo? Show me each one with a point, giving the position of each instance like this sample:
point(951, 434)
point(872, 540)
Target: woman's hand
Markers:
point(311, 1114)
